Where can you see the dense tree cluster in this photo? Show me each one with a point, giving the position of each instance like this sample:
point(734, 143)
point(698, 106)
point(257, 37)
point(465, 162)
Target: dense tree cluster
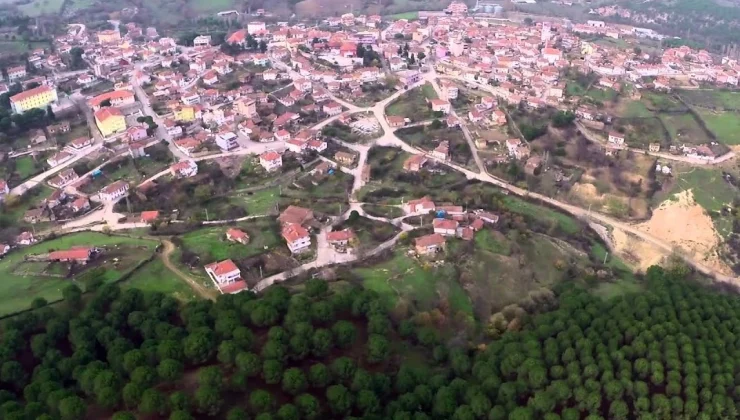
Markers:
point(667, 353)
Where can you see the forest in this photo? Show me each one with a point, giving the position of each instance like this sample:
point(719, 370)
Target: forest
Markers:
point(334, 352)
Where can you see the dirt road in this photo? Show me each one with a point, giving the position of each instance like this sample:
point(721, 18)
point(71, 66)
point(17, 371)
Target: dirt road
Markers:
point(169, 248)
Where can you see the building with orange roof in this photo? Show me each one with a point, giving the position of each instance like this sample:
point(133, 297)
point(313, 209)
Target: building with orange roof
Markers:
point(115, 98)
point(226, 275)
point(80, 255)
point(38, 97)
point(110, 121)
point(237, 235)
point(149, 216)
point(297, 237)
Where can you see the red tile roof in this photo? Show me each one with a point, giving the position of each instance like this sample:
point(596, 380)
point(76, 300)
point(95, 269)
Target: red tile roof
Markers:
point(104, 113)
point(70, 254)
point(30, 92)
point(148, 216)
point(293, 232)
point(223, 267)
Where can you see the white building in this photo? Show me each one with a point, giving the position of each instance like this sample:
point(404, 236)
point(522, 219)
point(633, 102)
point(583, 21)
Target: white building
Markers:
point(297, 238)
point(223, 272)
point(227, 141)
point(114, 191)
point(271, 161)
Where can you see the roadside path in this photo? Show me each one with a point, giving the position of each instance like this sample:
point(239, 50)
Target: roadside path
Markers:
point(169, 248)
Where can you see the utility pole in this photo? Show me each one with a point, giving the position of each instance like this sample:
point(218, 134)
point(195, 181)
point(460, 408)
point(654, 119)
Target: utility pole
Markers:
point(606, 256)
point(207, 218)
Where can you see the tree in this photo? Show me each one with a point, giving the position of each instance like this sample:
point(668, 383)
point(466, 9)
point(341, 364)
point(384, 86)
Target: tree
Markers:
point(319, 375)
point(72, 295)
point(72, 408)
point(180, 415)
point(339, 399)
point(132, 393)
point(294, 381)
point(208, 400)
point(272, 371)
point(288, 412)
point(344, 333)
point(249, 363)
point(199, 346)
point(378, 348)
point(321, 342)
point(152, 402)
point(308, 406)
point(368, 402)
point(169, 370)
point(263, 46)
point(211, 376)
point(261, 401)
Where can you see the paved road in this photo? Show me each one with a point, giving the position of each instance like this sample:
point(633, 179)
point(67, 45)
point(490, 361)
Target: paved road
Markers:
point(36, 180)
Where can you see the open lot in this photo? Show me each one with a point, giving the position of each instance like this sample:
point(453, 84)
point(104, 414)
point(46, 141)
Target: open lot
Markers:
point(155, 277)
point(264, 255)
point(427, 138)
point(724, 125)
point(23, 282)
point(714, 99)
point(327, 194)
point(390, 184)
point(683, 128)
point(413, 104)
point(369, 232)
point(42, 7)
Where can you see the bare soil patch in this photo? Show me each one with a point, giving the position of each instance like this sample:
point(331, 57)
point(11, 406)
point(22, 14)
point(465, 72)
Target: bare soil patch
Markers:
point(684, 223)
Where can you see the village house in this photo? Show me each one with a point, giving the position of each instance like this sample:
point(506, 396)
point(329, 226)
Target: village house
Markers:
point(296, 146)
point(445, 227)
point(498, 117)
point(332, 108)
point(63, 178)
point(442, 151)
point(271, 161)
point(415, 163)
point(226, 275)
point(237, 235)
point(79, 144)
point(149, 216)
point(80, 204)
point(227, 141)
point(114, 191)
point(395, 121)
point(296, 215)
point(340, 239)
point(59, 158)
point(25, 238)
point(441, 105)
point(429, 244)
point(420, 205)
point(297, 238)
point(184, 169)
point(654, 147)
point(616, 138)
point(487, 217)
point(81, 255)
point(344, 158)
point(4, 249)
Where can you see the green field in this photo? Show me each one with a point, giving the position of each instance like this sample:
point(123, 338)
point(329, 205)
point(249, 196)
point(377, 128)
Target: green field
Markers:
point(566, 223)
point(25, 167)
point(258, 202)
point(597, 94)
point(413, 104)
point(42, 7)
point(390, 212)
point(18, 291)
point(403, 278)
point(724, 125)
point(636, 109)
point(407, 16)
point(662, 102)
point(712, 99)
point(683, 128)
point(211, 244)
point(155, 277)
